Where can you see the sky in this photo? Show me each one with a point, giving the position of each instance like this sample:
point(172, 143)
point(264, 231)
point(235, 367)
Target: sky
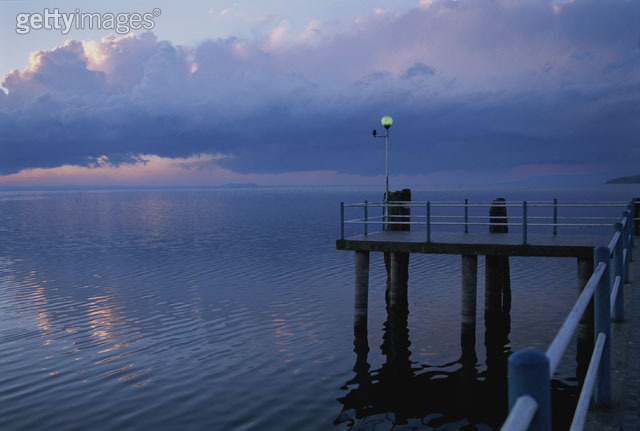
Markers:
point(287, 92)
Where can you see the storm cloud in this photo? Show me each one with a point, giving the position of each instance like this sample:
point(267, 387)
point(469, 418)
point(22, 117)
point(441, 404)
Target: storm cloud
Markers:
point(474, 86)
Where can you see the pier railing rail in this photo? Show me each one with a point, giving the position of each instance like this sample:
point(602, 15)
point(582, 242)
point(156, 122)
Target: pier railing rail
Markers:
point(530, 372)
point(423, 213)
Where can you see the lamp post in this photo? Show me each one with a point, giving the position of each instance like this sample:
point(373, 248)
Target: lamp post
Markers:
point(386, 121)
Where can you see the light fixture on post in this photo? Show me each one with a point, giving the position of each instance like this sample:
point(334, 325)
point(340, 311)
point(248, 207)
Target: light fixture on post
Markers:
point(386, 121)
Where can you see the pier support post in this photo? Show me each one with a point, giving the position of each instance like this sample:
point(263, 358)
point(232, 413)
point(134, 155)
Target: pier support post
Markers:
point(361, 289)
point(396, 284)
point(469, 293)
point(468, 307)
point(585, 327)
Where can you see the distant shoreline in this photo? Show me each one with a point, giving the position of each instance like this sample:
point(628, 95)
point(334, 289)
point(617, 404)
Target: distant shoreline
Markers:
point(635, 179)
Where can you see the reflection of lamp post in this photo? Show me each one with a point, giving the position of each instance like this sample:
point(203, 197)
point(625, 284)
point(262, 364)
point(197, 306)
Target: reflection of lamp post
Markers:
point(386, 121)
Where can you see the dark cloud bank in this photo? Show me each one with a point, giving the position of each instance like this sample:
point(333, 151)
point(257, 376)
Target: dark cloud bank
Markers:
point(477, 86)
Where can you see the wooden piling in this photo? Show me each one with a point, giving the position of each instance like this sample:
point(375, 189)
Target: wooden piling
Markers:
point(469, 293)
point(468, 307)
point(361, 289)
point(396, 284)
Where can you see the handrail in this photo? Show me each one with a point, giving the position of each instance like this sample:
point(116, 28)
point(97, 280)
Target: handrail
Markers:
point(521, 414)
point(614, 242)
point(521, 220)
point(580, 415)
point(614, 294)
point(562, 338)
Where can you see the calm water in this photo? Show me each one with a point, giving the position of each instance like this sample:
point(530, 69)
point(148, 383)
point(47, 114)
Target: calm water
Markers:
point(232, 310)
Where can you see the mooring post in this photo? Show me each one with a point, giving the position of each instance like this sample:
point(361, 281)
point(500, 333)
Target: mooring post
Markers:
point(585, 327)
point(361, 289)
point(469, 294)
point(555, 216)
point(529, 375)
point(602, 324)
point(618, 310)
point(466, 215)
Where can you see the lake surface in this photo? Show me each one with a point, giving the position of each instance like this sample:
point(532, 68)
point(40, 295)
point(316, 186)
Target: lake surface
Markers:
point(232, 310)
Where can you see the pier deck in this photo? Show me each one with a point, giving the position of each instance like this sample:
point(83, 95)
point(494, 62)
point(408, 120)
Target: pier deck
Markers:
point(495, 244)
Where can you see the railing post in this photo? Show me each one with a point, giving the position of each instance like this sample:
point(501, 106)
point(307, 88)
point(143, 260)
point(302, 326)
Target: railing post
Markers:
point(618, 265)
point(524, 222)
point(529, 375)
point(366, 218)
point(602, 323)
point(341, 220)
point(466, 215)
point(555, 216)
point(428, 221)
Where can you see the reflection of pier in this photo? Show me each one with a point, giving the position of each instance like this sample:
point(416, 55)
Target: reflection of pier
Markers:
point(412, 390)
point(452, 392)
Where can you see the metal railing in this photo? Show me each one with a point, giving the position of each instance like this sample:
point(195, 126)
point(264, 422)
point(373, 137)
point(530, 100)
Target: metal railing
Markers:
point(427, 218)
point(529, 390)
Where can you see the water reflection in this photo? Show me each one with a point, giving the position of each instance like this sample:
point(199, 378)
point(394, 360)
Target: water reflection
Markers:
point(402, 392)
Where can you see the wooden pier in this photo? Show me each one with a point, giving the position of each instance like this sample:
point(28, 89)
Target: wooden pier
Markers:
point(597, 256)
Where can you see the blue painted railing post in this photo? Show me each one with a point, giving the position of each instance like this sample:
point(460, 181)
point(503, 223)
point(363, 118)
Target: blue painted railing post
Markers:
point(428, 221)
point(529, 375)
point(602, 323)
point(524, 222)
point(341, 220)
point(618, 310)
point(555, 216)
point(366, 217)
point(466, 215)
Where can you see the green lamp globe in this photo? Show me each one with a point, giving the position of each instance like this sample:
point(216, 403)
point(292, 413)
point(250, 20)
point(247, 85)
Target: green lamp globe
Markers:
point(387, 121)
